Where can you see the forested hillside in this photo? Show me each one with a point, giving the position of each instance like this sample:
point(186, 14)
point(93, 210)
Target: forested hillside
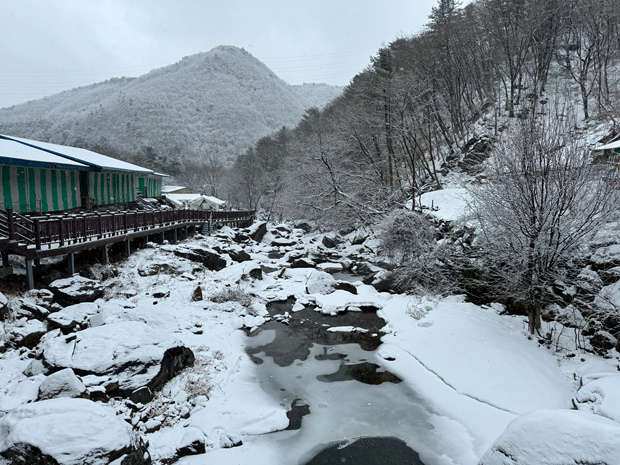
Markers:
point(433, 104)
point(211, 105)
point(502, 100)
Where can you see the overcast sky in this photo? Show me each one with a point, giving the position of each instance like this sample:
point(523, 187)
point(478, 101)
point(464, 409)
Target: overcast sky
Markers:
point(48, 46)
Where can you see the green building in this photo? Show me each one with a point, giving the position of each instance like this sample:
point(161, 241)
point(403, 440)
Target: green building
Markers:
point(39, 177)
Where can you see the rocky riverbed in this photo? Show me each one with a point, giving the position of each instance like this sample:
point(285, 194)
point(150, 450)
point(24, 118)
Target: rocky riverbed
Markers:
point(220, 349)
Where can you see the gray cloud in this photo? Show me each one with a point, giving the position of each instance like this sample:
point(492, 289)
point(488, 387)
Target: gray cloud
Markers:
point(53, 45)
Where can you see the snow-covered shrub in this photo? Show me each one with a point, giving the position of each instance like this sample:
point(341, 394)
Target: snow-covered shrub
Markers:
point(405, 235)
point(233, 294)
point(407, 240)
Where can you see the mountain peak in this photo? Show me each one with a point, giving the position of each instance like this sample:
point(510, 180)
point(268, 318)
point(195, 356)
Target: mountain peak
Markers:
point(221, 101)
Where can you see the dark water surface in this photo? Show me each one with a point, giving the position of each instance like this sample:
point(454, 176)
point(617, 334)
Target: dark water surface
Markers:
point(368, 451)
point(336, 388)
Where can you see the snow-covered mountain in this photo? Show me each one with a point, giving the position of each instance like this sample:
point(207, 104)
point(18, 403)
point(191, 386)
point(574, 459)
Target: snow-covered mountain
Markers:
point(221, 102)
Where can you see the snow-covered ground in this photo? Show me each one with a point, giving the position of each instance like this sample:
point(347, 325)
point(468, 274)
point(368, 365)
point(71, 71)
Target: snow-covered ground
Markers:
point(472, 371)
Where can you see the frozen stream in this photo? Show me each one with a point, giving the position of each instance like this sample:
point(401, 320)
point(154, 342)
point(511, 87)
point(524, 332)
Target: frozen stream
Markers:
point(344, 404)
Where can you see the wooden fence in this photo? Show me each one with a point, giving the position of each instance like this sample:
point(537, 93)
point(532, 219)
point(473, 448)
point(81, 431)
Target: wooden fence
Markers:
point(36, 236)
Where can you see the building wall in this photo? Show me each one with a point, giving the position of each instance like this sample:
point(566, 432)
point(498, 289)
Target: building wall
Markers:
point(152, 184)
point(44, 190)
point(110, 187)
point(39, 190)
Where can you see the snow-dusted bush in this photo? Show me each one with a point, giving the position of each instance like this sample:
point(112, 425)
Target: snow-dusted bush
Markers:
point(407, 240)
point(233, 294)
point(405, 235)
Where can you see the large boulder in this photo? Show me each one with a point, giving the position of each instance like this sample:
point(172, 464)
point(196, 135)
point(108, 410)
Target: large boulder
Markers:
point(303, 262)
point(238, 255)
point(131, 352)
point(26, 333)
point(556, 437)
point(63, 383)
point(331, 241)
point(69, 432)
point(73, 316)
point(76, 289)
point(320, 282)
point(257, 231)
point(208, 258)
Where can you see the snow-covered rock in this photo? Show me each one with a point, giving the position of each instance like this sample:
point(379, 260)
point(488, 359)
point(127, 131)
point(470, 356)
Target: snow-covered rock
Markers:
point(589, 280)
point(257, 231)
point(320, 282)
point(330, 267)
point(76, 289)
point(601, 396)
point(237, 254)
point(70, 317)
point(556, 437)
point(68, 432)
point(30, 309)
point(606, 257)
point(192, 443)
point(210, 259)
point(34, 368)
point(26, 333)
point(331, 241)
point(132, 352)
point(603, 341)
point(63, 383)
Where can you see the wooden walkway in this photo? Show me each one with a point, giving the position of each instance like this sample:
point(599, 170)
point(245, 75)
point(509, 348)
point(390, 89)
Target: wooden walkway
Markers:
point(35, 237)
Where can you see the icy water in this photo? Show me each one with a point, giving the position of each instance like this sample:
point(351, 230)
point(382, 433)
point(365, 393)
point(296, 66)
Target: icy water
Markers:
point(344, 405)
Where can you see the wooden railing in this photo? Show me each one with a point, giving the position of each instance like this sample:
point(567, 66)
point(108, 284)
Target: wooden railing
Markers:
point(50, 231)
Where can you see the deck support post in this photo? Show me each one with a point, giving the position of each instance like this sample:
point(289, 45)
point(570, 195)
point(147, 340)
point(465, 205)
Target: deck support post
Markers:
point(162, 237)
point(71, 263)
point(186, 231)
point(104, 254)
point(29, 275)
point(127, 247)
point(5, 259)
point(174, 236)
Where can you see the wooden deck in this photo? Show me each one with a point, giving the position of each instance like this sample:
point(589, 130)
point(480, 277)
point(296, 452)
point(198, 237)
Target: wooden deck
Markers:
point(35, 237)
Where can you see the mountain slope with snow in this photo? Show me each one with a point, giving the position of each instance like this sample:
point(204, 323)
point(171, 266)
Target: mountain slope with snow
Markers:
point(220, 102)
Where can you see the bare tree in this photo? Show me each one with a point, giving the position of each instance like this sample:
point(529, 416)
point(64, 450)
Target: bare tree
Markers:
point(205, 176)
point(589, 44)
point(544, 199)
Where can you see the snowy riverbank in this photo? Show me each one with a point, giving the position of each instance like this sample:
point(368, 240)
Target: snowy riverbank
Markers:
point(472, 371)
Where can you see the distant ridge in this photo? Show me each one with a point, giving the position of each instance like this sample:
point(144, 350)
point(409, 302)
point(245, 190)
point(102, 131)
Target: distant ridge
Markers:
point(215, 103)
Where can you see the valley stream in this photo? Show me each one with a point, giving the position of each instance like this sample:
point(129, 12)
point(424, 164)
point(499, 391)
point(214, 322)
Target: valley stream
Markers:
point(343, 404)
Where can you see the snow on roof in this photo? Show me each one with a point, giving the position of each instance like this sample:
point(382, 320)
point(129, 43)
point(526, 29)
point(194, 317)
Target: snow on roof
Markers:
point(190, 197)
point(183, 197)
point(168, 189)
point(14, 153)
point(215, 200)
point(194, 200)
point(610, 146)
point(82, 156)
